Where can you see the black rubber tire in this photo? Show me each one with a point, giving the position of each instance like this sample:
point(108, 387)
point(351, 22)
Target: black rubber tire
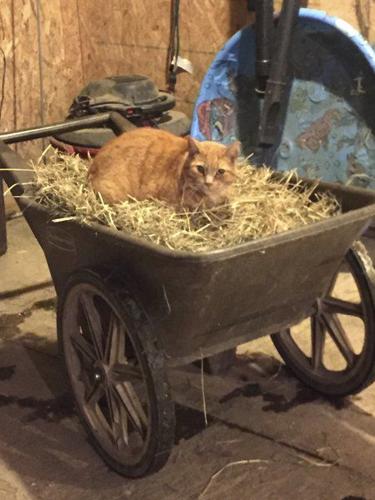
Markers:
point(152, 361)
point(362, 374)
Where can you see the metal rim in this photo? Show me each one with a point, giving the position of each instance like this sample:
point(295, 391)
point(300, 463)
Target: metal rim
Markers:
point(106, 373)
point(326, 325)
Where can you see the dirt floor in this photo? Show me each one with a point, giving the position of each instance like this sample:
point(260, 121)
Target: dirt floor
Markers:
point(268, 436)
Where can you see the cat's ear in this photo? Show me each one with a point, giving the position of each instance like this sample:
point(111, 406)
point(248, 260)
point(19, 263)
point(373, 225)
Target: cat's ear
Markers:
point(233, 151)
point(192, 146)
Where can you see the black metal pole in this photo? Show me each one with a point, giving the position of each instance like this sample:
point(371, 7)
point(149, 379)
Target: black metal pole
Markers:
point(3, 224)
point(29, 134)
point(119, 124)
point(264, 30)
point(279, 74)
point(115, 121)
point(15, 170)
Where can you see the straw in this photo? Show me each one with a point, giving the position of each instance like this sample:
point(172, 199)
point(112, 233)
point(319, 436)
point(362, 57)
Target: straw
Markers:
point(259, 206)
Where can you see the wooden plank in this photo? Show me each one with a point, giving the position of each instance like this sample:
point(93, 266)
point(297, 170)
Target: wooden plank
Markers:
point(359, 13)
point(372, 22)
point(343, 9)
point(7, 107)
point(61, 62)
point(7, 115)
point(207, 24)
point(48, 65)
point(133, 37)
point(72, 47)
point(363, 14)
point(28, 107)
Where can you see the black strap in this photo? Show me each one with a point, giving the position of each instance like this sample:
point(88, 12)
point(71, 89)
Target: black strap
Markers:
point(174, 46)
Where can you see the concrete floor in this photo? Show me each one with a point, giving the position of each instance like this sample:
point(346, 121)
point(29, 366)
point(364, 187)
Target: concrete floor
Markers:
point(277, 438)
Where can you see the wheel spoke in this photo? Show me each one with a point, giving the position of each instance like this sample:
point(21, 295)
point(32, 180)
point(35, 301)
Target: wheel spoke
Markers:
point(109, 338)
point(83, 347)
point(100, 423)
point(115, 342)
point(94, 395)
point(317, 342)
point(340, 338)
point(94, 412)
point(111, 409)
point(114, 424)
point(133, 406)
point(93, 322)
point(120, 424)
point(333, 305)
point(126, 372)
point(124, 424)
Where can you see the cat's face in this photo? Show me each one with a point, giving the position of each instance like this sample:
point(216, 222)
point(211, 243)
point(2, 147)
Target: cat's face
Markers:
point(209, 172)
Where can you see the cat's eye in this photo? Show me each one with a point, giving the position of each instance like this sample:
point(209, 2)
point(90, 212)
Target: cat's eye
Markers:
point(220, 171)
point(201, 169)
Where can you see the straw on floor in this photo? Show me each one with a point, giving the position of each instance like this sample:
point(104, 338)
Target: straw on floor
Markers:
point(260, 206)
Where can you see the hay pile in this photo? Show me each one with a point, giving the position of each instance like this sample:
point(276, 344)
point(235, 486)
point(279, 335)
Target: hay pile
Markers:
point(260, 206)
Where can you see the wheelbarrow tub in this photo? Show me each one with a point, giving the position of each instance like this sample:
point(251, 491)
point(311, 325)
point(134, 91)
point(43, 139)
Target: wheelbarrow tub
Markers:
point(203, 303)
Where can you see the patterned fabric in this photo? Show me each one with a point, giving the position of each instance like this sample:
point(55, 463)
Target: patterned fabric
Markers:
point(329, 126)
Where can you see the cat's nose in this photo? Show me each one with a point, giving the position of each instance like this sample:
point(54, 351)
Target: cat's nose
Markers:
point(209, 180)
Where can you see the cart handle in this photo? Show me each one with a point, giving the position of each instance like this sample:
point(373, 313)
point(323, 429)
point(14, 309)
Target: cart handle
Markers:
point(113, 120)
point(15, 170)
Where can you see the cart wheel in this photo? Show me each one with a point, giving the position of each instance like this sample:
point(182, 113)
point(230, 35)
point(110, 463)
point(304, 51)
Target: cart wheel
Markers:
point(117, 376)
point(330, 359)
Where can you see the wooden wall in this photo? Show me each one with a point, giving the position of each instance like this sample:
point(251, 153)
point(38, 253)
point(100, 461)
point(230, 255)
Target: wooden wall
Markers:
point(358, 13)
point(52, 47)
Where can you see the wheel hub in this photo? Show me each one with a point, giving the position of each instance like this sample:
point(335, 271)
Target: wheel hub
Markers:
point(101, 372)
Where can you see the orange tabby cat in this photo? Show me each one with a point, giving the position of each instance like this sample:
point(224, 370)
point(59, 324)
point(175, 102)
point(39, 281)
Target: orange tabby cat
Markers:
point(152, 163)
